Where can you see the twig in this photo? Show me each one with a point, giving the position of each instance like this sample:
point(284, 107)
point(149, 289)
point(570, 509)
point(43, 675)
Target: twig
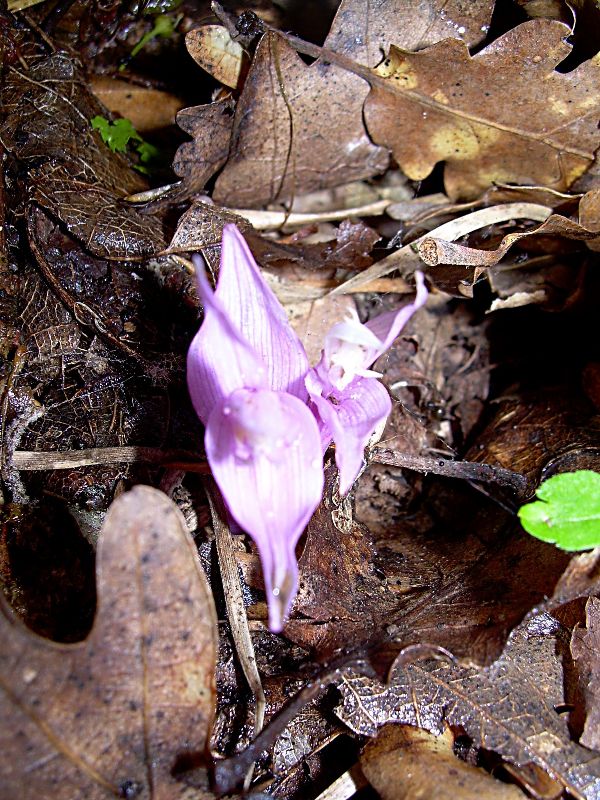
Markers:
point(31, 460)
point(465, 470)
point(345, 786)
point(236, 610)
point(449, 231)
point(271, 220)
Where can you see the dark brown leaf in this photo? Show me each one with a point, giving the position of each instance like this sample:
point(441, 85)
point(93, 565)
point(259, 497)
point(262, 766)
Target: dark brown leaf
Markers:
point(111, 715)
point(508, 708)
point(74, 175)
point(210, 126)
point(585, 647)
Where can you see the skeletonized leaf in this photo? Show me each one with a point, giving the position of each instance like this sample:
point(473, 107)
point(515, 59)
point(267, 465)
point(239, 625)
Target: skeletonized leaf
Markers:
point(508, 707)
point(110, 716)
point(504, 115)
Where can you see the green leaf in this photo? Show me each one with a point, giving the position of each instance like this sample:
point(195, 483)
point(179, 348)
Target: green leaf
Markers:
point(567, 512)
point(163, 26)
point(117, 134)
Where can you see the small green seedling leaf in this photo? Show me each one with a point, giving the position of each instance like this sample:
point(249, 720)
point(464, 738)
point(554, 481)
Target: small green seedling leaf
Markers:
point(567, 512)
point(163, 26)
point(117, 134)
point(120, 134)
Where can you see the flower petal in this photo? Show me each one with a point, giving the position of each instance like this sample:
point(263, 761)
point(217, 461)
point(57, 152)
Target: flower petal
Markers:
point(259, 316)
point(387, 327)
point(219, 359)
point(270, 472)
point(352, 419)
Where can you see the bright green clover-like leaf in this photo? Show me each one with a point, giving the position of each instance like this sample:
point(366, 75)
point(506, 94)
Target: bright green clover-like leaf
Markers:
point(120, 134)
point(567, 512)
point(117, 134)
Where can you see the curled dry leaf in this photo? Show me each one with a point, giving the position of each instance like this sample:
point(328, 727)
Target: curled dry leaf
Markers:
point(406, 763)
point(115, 714)
point(437, 251)
point(214, 50)
point(508, 708)
point(504, 115)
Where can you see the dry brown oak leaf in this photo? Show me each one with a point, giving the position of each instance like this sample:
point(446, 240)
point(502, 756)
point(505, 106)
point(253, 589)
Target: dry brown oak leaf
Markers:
point(504, 115)
point(299, 128)
point(363, 29)
point(296, 129)
point(110, 716)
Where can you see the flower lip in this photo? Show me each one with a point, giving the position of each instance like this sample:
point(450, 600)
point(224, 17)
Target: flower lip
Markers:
point(260, 425)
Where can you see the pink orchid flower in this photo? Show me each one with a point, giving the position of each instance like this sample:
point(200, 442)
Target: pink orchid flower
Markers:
point(268, 418)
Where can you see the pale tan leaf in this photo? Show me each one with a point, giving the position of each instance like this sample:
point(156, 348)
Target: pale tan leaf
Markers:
point(407, 763)
point(214, 50)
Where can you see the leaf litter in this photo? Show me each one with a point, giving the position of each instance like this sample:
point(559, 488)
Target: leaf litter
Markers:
point(456, 138)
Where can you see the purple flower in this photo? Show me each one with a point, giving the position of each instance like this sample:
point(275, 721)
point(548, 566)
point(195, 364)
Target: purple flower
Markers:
point(349, 401)
point(268, 418)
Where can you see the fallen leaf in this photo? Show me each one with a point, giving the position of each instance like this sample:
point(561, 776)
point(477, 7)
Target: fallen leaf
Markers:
point(541, 435)
point(214, 50)
point(147, 108)
point(296, 129)
point(437, 251)
point(406, 763)
point(210, 126)
point(115, 714)
point(508, 708)
point(504, 115)
point(73, 175)
point(364, 30)
point(585, 647)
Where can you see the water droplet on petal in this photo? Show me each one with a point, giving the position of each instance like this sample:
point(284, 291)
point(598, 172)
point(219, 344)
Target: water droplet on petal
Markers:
point(276, 591)
point(462, 30)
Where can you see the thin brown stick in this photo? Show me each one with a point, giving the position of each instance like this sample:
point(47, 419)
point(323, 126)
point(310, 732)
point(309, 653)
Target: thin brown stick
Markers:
point(236, 610)
point(465, 470)
point(34, 460)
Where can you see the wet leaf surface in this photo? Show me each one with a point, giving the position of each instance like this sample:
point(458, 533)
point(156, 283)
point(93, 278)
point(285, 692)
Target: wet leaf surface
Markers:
point(509, 708)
